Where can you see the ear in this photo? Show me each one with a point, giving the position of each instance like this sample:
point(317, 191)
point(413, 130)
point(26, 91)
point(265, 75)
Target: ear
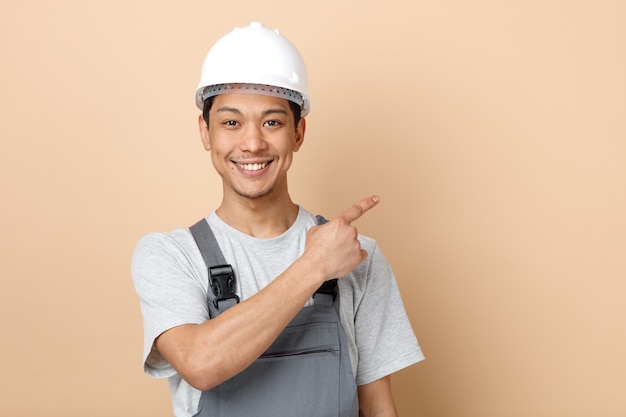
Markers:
point(300, 129)
point(204, 133)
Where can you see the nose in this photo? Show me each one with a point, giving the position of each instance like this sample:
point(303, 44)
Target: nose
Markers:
point(252, 140)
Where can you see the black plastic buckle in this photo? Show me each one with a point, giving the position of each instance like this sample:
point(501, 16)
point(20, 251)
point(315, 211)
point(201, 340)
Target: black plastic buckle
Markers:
point(328, 287)
point(222, 282)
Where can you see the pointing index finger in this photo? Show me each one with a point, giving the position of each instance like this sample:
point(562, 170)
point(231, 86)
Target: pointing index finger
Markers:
point(359, 209)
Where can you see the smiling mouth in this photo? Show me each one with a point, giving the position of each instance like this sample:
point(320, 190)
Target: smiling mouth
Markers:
point(253, 167)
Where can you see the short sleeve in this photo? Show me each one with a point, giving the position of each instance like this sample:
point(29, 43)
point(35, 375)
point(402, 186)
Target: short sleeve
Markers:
point(171, 288)
point(385, 340)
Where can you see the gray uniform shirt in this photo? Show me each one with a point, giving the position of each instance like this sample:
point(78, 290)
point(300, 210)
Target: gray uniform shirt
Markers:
point(171, 280)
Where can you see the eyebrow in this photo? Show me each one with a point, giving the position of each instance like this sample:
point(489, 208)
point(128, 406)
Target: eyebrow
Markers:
point(265, 113)
point(229, 109)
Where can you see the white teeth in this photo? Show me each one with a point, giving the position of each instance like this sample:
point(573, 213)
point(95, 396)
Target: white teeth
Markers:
point(253, 167)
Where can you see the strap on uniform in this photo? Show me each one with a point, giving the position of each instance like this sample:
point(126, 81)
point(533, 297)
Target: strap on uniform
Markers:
point(327, 292)
point(222, 283)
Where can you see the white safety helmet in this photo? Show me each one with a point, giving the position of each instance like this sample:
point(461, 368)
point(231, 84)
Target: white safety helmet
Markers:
point(256, 60)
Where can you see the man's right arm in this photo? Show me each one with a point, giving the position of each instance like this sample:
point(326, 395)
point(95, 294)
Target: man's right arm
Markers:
point(207, 354)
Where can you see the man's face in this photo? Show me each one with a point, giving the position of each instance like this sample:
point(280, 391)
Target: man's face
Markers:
point(252, 139)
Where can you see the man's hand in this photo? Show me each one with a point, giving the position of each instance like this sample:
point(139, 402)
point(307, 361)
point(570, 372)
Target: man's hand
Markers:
point(335, 245)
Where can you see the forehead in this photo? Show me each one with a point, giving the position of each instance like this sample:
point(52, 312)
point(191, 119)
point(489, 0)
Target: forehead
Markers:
point(249, 102)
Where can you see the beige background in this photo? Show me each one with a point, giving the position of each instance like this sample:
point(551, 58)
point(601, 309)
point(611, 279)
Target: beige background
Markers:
point(494, 132)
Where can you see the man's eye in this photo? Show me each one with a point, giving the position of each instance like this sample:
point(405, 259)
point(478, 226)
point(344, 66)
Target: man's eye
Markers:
point(230, 123)
point(272, 123)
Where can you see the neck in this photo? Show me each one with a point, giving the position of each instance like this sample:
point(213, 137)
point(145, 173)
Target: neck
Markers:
point(263, 217)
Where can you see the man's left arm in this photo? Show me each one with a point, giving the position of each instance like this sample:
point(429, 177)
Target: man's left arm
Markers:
point(376, 399)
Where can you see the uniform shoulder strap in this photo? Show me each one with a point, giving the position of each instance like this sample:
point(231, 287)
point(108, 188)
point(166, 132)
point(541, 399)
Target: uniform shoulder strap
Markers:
point(222, 283)
point(327, 292)
point(205, 239)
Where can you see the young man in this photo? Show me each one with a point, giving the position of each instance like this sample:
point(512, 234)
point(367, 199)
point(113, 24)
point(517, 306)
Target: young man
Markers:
point(308, 320)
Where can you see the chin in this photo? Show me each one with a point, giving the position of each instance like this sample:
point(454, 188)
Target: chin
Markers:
point(255, 194)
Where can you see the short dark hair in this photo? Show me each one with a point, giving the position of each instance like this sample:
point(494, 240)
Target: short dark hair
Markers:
point(208, 103)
